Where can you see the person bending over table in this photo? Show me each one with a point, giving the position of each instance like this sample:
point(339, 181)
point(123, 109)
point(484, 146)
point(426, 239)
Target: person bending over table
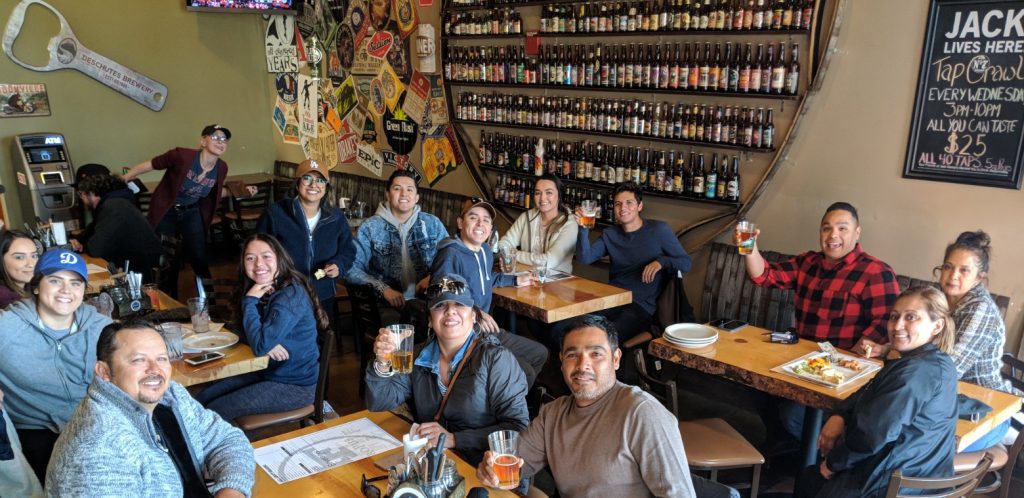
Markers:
point(137, 433)
point(183, 203)
point(20, 255)
point(643, 254)
point(395, 249)
point(16, 476)
point(47, 353)
point(280, 315)
point(468, 254)
point(314, 233)
point(463, 383)
point(548, 229)
point(120, 232)
point(606, 438)
point(904, 418)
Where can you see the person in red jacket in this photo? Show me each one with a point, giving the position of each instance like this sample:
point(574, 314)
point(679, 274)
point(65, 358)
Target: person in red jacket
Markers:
point(183, 203)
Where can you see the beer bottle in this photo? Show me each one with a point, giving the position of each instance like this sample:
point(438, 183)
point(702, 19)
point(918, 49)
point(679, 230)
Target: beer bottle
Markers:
point(647, 70)
point(714, 68)
point(732, 190)
point(766, 70)
point(737, 16)
point(805, 20)
point(664, 69)
point(758, 22)
point(620, 168)
point(768, 132)
point(725, 66)
point(660, 172)
point(693, 76)
point(711, 179)
point(723, 179)
point(755, 70)
point(677, 175)
point(779, 71)
point(698, 177)
point(705, 15)
point(568, 170)
point(744, 75)
point(704, 72)
point(787, 14)
point(716, 125)
point(748, 127)
point(483, 148)
point(793, 76)
point(757, 127)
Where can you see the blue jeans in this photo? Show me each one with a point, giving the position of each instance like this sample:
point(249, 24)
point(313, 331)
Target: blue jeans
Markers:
point(991, 439)
point(250, 394)
point(187, 225)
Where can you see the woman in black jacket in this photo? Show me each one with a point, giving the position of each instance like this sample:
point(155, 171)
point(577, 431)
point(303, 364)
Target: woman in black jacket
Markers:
point(488, 394)
point(904, 419)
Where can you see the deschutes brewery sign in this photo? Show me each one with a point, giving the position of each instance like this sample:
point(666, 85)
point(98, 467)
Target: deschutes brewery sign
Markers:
point(968, 113)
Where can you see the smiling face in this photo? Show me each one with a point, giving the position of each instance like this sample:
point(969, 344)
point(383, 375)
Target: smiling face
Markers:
point(452, 321)
point(260, 262)
point(58, 296)
point(960, 273)
point(139, 366)
point(839, 234)
point(475, 226)
point(588, 364)
point(545, 194)
point(402, 196)
point(215, 144)
point(910, 326)
point(627, 209)
point(20, 260)
point(311, 187)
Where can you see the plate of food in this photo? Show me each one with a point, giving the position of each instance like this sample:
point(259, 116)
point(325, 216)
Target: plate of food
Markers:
point(210, 341)
point(816, 367)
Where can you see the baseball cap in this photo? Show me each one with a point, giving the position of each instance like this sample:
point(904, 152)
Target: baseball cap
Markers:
point(210, 129)
point(450, 287)
point(311, 165)
point(55, 260)
point(475, 202)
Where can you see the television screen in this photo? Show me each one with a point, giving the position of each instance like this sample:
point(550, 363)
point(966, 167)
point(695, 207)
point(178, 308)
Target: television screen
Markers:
point(261, 6)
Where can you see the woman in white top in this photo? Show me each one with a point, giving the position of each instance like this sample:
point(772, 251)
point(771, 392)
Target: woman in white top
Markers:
point(548, 228)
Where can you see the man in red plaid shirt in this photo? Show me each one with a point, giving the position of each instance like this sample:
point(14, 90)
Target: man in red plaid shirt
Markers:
point(842, 294)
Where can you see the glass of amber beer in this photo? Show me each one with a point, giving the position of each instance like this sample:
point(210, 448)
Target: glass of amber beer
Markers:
point(746, 231)
point(505, 447)
point(589, 210)
point(401, 357)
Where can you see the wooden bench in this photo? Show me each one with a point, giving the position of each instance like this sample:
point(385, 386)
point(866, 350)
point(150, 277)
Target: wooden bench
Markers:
point(729, 293)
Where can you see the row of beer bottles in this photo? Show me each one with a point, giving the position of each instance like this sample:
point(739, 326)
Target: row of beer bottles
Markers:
point(494, 22)
point(682, 66)
point(655, 170)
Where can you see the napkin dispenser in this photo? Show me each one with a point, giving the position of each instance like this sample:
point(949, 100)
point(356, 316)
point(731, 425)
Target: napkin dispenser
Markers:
point(125, 304)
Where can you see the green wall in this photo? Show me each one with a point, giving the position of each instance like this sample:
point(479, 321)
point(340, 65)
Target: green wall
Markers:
point(212, 64)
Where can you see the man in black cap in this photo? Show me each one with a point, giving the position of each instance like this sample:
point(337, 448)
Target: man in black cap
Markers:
point(120, 233)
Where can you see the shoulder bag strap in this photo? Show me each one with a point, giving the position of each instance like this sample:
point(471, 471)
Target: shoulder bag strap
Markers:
point(451, 382)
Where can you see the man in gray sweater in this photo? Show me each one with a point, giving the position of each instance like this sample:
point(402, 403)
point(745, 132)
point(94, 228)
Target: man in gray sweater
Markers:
point(607, 438)
point(137, 433)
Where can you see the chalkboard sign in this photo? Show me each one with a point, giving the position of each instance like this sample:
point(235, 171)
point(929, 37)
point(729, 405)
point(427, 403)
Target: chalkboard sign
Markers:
point(969, 110)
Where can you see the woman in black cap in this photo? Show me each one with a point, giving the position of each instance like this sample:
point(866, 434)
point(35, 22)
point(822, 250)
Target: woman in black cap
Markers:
point(463, 384)
point(183, 203)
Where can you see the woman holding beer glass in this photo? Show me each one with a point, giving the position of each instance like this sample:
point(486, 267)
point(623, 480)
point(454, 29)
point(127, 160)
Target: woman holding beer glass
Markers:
point(463, 384)
point(280, 314)
point(547, 229)
point(904, 418)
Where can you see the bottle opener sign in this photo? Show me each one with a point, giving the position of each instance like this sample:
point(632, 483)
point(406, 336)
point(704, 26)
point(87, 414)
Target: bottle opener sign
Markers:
point(66, 52)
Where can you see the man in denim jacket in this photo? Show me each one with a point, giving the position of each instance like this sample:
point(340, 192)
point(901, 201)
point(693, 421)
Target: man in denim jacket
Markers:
point(395, 247)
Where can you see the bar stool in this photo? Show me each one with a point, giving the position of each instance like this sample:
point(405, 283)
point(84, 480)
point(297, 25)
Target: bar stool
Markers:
point(710, 444)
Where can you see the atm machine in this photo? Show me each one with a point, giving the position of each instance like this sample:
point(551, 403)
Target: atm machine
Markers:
point(45, 178)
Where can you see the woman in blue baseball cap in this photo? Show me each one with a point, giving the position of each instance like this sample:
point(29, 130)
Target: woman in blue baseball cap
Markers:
point(47, 353)
point(463, 384)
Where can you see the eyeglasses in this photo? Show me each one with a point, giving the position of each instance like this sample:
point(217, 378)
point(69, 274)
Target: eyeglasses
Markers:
point(309, 179)
point(369, 490)
point(219, 138)
point(445, 285)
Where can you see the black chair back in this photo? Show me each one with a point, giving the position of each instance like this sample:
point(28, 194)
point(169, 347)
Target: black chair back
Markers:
point(664, 391)
point(962, 485)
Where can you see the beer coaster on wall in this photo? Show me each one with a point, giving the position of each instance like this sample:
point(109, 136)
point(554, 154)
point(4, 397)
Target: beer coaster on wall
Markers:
point(412, 170)
point(309, 106)
point(346, 46)
point(406, 17)
point(24, 100)
point(311, 18)
point(401, 132)
point(364, 63)
point(453, 141)
point(346, 96)
point(362, 84)
point(324, 147)
point(377, 102)
point(380, 43)
point(438, 106)
point(400, 59)
point(338, 9)
point(355, 120)
point(282, 55)
point(369, 158)
point(370, 129)
point(347, 146)
point(287, 87)
point(358, 20)
point(380, 13)
point(438, 159)
point(392, 86)
point(415, 103)
point(425, 48)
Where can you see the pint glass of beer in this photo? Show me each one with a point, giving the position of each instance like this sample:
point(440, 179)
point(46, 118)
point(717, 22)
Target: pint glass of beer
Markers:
point(401, 357)
point(746, 230)
point(589, 209)
point(505, 447)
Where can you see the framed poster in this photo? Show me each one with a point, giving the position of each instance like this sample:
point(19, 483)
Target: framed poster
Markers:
point(968, 117)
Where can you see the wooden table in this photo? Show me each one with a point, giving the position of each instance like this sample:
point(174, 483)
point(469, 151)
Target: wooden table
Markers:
point(747, 357)
point(238, 359)
point(345, 480)
point(556, 301)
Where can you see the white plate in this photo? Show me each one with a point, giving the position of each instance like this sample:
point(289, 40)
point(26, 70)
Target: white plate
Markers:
point(690, 333)
point(210, 341)
point(867, 367)
point(691, 343)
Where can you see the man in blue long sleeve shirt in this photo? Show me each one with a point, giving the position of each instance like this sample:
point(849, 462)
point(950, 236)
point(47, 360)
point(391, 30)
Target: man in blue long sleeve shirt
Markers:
point(642, 252)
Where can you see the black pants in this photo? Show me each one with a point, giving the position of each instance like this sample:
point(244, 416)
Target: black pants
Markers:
point(187, 225)
point(37, 445)
point(530, 354)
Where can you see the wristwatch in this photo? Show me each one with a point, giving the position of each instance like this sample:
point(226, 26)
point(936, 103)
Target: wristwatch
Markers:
point(382, 368)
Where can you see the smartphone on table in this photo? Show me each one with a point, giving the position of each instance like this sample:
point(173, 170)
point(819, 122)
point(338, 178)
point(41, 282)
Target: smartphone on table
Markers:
point(728, 325)
point(204, 358)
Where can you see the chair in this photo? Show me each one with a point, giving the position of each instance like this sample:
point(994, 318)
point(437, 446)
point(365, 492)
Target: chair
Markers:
point(340, 299)
point(144, 199)
point(366, 321)
point(306, 415)
point(963, 485)
point(729, 293)
point(166, 273)
point(673, 307)
point(219, 296)
point(710, 444)
point(1004, 459)
point(283, 188)
point(246, 211)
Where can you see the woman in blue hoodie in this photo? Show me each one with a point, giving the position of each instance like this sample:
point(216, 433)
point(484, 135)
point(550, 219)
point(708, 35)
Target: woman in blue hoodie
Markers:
point(280, 316)
point(313, 232)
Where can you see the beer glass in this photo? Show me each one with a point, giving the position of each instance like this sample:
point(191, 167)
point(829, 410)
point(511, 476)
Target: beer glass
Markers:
point(589, 209)
point(173, 338)
point(540, 268)
point(401, 357)
point(153, 292)
point(505, 447)
point(507, 258)
point(199, 310)
point(746, 230)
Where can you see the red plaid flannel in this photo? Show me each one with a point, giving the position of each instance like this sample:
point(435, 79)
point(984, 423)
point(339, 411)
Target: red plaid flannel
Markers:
point(837, 302)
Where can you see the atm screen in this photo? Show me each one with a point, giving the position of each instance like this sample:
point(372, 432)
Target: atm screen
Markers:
point(44, 154)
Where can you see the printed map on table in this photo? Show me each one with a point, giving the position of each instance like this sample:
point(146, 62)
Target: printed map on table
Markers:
point(311, 454)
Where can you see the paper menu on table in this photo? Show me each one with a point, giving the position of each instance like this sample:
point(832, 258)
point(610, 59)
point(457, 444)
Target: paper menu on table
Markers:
point(93, 268)
point(322, 450)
